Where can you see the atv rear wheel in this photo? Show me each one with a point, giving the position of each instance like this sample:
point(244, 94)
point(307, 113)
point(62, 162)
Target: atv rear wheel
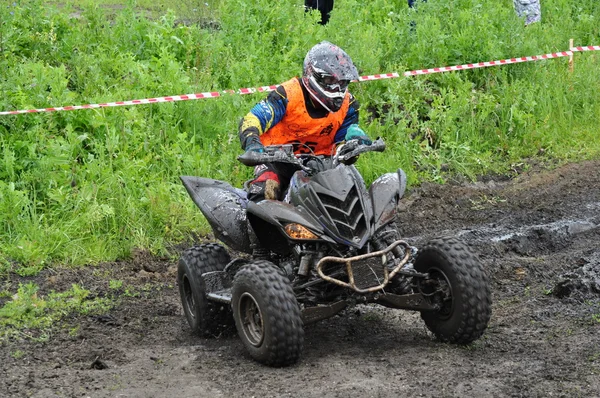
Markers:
point(458, 286)
point(267, 315)
point(204, 317)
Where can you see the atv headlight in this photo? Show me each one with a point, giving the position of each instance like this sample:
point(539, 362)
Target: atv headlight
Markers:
point(297, 231)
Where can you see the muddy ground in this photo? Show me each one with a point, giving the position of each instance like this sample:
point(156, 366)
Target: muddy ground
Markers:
point(538, 236)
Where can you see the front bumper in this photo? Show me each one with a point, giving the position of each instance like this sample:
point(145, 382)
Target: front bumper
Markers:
point(366, 273)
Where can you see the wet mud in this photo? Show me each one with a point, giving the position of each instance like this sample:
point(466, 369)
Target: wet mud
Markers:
point(537, 235)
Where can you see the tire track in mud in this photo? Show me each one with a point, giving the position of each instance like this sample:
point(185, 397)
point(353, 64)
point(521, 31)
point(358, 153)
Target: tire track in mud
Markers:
point(551, 216)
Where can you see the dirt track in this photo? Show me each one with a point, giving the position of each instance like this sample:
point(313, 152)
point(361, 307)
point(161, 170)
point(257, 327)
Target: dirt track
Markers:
point(538, 237)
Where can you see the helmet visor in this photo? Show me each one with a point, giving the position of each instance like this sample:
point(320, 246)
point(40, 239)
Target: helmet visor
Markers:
point(332, 84)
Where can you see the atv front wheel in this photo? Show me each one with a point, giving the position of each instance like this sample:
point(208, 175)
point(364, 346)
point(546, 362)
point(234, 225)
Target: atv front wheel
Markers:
point(267, 315)
point(458, 286)
point(204, 317)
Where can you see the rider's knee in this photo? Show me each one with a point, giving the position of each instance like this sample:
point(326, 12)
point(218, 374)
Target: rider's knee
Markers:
point(266, 185)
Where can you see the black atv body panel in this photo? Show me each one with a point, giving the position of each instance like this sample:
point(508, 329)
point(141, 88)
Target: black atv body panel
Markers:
point(268, 219)
point(385, 193)
point(334, 205)
point(225, 209)
point(338, 200)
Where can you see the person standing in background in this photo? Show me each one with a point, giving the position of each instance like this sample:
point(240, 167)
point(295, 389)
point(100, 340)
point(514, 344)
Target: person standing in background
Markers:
point(412, 3)
point(324, 6)
point(530, 9)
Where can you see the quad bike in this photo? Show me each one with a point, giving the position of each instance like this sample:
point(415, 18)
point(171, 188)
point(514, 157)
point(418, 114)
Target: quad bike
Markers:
point(330, 243)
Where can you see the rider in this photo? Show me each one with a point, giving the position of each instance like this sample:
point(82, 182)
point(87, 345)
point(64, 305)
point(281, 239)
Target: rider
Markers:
point(314, 113)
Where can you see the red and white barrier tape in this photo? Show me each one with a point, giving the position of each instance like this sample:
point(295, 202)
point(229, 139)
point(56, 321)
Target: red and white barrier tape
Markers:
point(262, 89)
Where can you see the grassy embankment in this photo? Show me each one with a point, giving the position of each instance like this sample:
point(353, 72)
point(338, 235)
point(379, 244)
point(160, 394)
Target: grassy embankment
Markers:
point(85, 186)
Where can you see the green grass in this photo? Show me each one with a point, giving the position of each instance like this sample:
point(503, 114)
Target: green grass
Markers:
point(28, 314)
point(86, 186)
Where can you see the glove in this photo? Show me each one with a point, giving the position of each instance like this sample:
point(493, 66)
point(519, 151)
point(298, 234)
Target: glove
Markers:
point(346, 150)
point(253, 144)
point(356, 133)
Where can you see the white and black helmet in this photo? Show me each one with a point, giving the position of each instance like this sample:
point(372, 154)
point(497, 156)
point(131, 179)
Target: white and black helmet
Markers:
point(327, 72)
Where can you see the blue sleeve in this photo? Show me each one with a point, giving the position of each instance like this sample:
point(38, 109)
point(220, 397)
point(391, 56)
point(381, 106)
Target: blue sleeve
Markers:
point(263, 116)
point(350, 119)
point(271, 110)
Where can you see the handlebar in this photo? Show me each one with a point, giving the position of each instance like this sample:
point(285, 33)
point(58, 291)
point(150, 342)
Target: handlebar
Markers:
point(352, 148)
point(285, 154)
point(271, 154)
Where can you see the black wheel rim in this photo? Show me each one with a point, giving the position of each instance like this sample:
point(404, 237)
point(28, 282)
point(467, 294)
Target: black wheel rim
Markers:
point(188, 297)
point(438, 291)
point(251, 319)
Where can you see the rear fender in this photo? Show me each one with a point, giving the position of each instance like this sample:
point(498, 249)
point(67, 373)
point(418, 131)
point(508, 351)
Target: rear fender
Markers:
point(224, 208)
point(385, 193)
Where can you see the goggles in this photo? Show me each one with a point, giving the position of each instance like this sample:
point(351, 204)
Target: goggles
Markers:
point(332, 84)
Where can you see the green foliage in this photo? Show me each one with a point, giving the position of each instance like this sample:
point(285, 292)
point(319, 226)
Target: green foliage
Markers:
point(18, 354)
point(114, 284)
point(90, 185)
point(28, 310)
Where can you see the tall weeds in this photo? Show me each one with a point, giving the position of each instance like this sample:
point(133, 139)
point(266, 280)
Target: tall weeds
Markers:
point(85, 186)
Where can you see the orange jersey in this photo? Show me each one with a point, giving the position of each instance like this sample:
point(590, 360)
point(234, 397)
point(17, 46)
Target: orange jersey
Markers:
point(297, 127)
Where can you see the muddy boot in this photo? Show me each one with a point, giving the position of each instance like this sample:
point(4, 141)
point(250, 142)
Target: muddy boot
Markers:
point(272, 190)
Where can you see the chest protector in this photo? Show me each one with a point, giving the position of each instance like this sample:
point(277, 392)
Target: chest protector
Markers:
point(301, 130)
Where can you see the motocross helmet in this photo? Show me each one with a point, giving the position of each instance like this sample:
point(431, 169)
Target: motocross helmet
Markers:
point(326, 74)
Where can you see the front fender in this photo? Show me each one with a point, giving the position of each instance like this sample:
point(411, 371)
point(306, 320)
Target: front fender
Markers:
point(385, 193)
point(269, 217)
point(224, 208)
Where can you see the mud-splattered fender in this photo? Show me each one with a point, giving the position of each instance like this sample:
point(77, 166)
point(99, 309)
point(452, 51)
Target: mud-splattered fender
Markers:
point(385, 193)
point(268, 218)
point(225, 209)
